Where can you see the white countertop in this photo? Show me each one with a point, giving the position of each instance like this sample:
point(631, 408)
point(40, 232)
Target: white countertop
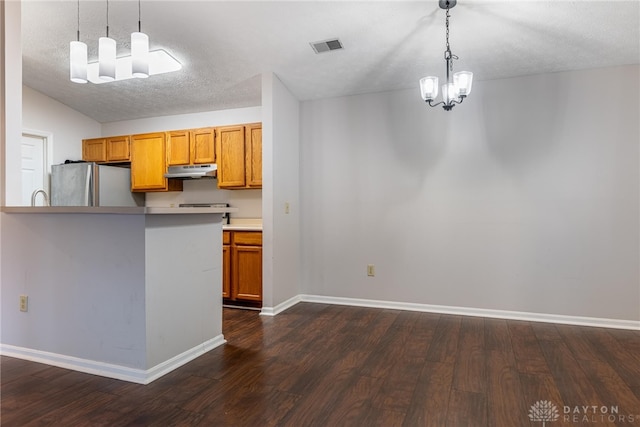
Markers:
point(242, 227)
point(113, 210)
point(243, 224)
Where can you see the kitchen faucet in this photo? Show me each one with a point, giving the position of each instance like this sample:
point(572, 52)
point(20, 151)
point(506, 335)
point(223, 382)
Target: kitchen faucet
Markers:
point(44, 194)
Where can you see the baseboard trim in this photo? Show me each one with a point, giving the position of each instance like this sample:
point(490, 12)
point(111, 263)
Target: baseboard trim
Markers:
point(272, 311)
point(478, 312)
point(138, 376)
point(183, 358)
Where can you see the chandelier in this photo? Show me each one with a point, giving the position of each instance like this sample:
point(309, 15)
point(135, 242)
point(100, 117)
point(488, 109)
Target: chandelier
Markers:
point(140, 64)
point(456, 89)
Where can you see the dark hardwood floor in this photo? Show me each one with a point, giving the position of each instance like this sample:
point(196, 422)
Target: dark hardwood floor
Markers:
point(322, 365)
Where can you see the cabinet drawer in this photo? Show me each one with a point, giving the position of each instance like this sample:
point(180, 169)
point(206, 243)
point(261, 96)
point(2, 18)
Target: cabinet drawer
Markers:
point(247, 238)
point(226, 237)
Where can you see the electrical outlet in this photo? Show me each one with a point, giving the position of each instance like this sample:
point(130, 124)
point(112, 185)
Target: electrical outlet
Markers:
point(371, 270)
point(24, 303)
point(286, 207)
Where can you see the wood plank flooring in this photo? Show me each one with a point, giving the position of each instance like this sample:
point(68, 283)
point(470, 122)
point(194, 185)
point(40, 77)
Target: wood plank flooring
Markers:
point(323, 365)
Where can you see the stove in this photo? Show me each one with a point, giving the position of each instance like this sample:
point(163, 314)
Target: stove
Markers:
point(225, 216)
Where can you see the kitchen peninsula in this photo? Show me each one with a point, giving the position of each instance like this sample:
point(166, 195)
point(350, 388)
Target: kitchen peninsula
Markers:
point(128, 293)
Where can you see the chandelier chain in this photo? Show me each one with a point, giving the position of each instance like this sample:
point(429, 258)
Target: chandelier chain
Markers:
point(447, 53)
point(447, 25)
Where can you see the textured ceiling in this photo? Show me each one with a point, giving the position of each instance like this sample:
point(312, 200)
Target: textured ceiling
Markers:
point(225, 46)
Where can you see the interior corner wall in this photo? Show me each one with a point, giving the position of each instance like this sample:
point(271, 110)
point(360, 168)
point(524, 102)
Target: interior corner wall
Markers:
point(12, 100)
point(286, 193)
point(524, 198)
point(3, 118)
point(267, 189)
point(67, 126)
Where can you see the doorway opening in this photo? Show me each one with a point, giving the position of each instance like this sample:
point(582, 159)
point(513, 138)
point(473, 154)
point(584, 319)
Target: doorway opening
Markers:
point(36, 153)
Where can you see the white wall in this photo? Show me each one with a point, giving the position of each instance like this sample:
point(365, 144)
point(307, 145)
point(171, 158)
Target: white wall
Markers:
point(249, 202)
point(281, 160)
point(524, 198)
point(68, 126)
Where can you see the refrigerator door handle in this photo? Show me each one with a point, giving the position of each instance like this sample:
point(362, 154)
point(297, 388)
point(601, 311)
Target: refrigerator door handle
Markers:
point(87, 185)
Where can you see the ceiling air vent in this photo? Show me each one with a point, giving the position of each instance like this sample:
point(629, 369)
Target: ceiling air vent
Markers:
point(326, 45)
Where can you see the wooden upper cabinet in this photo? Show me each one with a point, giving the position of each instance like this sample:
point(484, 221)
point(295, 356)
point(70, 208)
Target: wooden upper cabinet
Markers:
point(94, 150)
point(239, 156)
point(230, 146)
point(254, 155)
point(178, 148)
point(118, 149)
point(203, 146)
point(106, 150)
point(188, 147)
point(149, 164)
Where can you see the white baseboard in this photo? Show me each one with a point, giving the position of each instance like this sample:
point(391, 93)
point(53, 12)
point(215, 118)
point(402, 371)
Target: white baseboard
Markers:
point(272, 311)
point(479, 312)
point(183, 358)
point(109, 370)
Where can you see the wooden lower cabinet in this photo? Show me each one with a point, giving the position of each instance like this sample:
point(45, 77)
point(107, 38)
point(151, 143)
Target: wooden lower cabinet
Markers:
point(226, 264)
point(242, 266)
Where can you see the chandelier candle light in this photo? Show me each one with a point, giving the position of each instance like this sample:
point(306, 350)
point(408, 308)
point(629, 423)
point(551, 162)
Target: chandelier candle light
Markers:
point(455, 90)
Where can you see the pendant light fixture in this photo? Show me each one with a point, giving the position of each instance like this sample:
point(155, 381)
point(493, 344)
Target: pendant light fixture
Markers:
point(455, 90)
point(107, 55)
point(78, 57)
point(141, 63)
point(139, 51)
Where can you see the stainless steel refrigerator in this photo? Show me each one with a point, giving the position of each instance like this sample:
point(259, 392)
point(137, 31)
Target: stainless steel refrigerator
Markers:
point(91, 184)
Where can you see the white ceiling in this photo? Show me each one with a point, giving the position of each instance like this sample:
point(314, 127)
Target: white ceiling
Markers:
point(225, 46)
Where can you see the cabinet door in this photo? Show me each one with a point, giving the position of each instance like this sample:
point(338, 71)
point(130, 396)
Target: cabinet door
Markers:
point(247, 273)
point(118, 149)
point(254, 155)
point(230, 149)
point(94, 150)
point(178, 148)
point(226, 271)
point(203, 146)
point(148, 162)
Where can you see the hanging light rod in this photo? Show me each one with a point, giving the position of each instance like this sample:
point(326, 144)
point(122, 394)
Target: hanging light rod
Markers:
point(456, 89)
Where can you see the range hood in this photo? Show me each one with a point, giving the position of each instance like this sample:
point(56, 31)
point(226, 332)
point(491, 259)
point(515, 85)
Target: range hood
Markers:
point(192, 171)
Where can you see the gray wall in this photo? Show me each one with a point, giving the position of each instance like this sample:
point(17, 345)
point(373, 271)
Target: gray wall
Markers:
point(183, 282)
point(85, 278)
point(133, 291)
point(524, 198)
point(281, 186)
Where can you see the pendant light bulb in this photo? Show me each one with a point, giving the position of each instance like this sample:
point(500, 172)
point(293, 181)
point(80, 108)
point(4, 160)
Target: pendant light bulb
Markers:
point(78, 58)
point(107, 59)
point(107, 55)
point(139, 55)
point(78, 62)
